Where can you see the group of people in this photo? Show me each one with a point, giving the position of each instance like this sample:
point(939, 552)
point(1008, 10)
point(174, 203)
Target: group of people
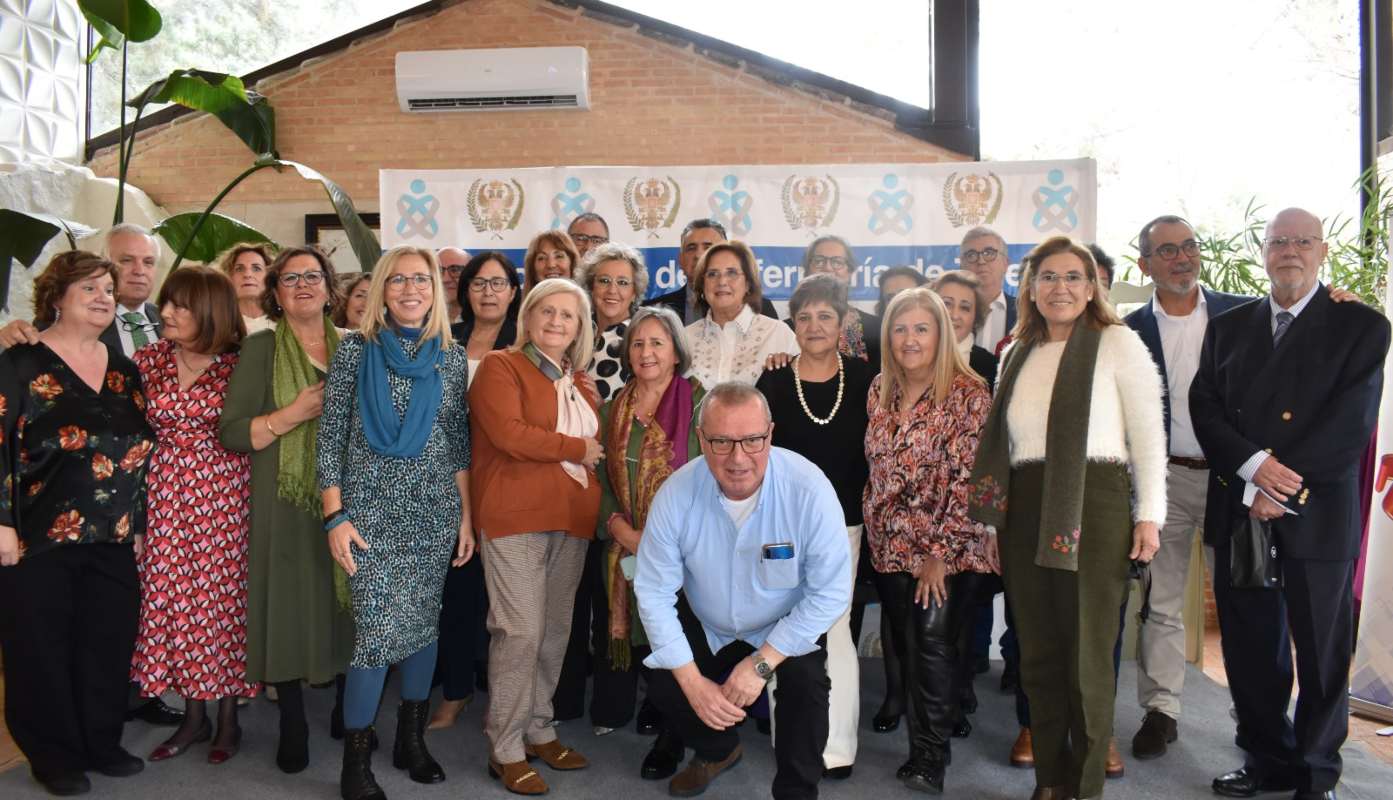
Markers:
point(524, 484)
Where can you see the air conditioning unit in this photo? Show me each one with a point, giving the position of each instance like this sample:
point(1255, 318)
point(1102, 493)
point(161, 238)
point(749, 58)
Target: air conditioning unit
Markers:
point(505, 79)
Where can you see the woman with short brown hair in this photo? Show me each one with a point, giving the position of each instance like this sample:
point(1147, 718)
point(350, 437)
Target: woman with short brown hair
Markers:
point(732, 341)
point(245, 264)
point(550, 254)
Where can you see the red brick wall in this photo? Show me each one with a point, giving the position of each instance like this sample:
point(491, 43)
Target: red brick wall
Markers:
point(653, 102)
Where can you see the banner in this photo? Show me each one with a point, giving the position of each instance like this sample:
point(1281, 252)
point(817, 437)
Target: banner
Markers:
point(892, 214)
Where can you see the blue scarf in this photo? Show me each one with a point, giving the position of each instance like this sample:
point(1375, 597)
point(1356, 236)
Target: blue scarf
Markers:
point(386, 434)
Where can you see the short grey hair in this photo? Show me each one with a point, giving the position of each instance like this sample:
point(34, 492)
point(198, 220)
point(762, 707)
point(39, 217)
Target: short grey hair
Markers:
point(731, 393)
point(1144, 238)
point(676, 331)
point(132, 228)
point(819, 288)
point(589, 216)
point(980, 231)
point(614, 251)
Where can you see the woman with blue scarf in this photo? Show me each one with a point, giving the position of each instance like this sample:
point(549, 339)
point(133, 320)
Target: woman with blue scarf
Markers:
point(394, 479)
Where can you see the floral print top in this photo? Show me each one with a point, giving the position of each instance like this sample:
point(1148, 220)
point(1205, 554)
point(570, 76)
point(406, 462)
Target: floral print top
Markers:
point(72, 460)
point(915, 502)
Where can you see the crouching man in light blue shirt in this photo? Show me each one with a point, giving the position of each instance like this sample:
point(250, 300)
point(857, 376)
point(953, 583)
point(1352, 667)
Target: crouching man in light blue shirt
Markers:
point(754, 538)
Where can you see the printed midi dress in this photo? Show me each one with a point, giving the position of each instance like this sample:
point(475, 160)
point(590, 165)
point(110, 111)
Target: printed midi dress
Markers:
point(193, 571)
point(406, 509)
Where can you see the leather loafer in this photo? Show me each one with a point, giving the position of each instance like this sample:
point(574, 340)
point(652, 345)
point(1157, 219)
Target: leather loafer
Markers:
point(650, 720)
point(1248, 782)
point(64, 784)
point(121, 764)
point(1157, 731)
point(699, 773)
point(663, 758)
point(1023, 751)
point(837, 773)
point(155, 712)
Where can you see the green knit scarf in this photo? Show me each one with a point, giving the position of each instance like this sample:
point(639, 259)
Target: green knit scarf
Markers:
point(291, 373)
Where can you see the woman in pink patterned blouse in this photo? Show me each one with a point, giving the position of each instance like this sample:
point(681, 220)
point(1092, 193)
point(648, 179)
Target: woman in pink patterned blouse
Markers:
point(926, 410)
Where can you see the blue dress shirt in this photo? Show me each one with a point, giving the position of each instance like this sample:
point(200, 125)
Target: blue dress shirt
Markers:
point(690, 543)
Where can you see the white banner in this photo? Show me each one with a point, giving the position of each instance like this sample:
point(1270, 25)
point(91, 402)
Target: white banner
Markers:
point(892, 214)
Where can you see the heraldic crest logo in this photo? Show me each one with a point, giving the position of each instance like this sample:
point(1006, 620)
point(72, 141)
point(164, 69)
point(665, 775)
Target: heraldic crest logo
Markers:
point(495, 206)
point(811, 202)
point(652, 203)
point(972, 199)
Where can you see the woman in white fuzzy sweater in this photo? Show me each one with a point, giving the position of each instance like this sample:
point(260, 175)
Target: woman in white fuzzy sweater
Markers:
point(1072, 472)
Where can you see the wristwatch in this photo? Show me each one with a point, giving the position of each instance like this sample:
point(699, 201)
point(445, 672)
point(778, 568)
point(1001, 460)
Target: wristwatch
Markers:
point(762, 668)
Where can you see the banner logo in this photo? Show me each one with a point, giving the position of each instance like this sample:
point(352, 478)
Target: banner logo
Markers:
point(416, 211)
point(972, 199)
point(651, 204)
point(810, 202)
point(890, 208)
point(495, 206)
point(569, 204)
point(731, 208)
point(1055, 205)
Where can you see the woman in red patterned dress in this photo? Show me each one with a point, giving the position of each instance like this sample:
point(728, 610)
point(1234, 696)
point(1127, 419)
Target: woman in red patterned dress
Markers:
point(193, 560)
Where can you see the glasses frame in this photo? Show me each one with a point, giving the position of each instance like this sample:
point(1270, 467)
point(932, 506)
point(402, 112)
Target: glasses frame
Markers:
point(723, 446)
point(1170, 252)
point(976, 256)
point(293, 279)
point(420, 279)
point(477, 285)
point(1303, 244)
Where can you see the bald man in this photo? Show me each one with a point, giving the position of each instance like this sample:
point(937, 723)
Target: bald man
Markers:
point(452, 261)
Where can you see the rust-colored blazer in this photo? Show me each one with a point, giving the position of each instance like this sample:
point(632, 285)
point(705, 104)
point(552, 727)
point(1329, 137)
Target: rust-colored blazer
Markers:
point(516, 484)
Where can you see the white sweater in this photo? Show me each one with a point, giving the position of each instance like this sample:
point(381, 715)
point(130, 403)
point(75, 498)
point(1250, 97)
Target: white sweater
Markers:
point(1125, 424)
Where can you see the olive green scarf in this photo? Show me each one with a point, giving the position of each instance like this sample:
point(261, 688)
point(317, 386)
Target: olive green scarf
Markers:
point(291, 372)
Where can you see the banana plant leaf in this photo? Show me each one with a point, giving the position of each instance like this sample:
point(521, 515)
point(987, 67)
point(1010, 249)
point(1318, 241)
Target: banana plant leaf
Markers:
point(118, 21)
point(215, 235)
point(24, 235)
point(246, 113)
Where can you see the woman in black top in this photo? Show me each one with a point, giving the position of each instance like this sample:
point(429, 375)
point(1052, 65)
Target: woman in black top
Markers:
point(489, 297)
point(818, 403)
point(74, 445)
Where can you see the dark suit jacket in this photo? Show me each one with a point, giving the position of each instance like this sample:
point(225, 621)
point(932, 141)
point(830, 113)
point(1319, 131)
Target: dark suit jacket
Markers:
point(111, 337)
point(677, 301)
point(870, 327)
point(1312, 403)
point(984, 363)
point(1143, 321)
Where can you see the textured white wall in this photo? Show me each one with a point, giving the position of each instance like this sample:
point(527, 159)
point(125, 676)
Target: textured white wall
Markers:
point(41, 79)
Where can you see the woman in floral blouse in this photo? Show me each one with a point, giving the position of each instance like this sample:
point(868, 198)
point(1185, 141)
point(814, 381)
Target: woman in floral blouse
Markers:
point(73, 450)
point(926, 412)
point(732, 341)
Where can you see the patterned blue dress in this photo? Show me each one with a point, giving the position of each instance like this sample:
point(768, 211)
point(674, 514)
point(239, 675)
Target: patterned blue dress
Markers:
point(407, 510)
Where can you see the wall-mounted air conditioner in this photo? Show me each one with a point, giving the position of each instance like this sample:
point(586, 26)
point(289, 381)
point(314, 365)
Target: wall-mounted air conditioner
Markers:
point(506, 79)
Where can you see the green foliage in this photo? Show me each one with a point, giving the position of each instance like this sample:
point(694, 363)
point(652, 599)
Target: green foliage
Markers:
point(26, 235)
point(120, 21)
point(214, 235)
point(244, 112)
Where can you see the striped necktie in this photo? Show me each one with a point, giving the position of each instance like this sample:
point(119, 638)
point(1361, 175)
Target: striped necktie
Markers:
point(1284, 319)
point(135, 323)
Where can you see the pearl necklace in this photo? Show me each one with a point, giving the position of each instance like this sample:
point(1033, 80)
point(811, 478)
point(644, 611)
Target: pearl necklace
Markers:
point(803, 401)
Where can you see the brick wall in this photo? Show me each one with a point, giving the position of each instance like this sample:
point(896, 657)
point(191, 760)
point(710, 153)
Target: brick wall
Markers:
point(653, 102)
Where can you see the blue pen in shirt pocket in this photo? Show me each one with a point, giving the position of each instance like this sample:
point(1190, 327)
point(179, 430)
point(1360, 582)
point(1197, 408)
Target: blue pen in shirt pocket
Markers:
point(778, 569)
point(779, 551)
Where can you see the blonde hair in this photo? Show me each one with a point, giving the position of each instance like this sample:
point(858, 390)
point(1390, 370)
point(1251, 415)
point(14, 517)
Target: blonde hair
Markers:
point(437, 322)
point(1030, 323)
point(948, 361)
point(228, 259)
point(583, 348)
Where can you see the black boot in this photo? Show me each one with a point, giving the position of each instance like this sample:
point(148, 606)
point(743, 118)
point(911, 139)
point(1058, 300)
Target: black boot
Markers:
point(409, 750)
point(356, 781)
point(293, 750)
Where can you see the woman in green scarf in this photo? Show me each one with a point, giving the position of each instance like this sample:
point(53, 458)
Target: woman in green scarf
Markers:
point(1071, 471)
point(296, 628)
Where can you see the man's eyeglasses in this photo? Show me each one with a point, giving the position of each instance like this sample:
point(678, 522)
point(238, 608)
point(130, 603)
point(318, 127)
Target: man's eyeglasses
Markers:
point(1069, 279)
point(723, 446)
point(1170, 252)
point(584, 239)
point(1303, 243)
point(420, 280)
point(498, 285)
point(293, 279)
point(606, 281)
point(828, 262)
point(453, 270)
point(985, 254)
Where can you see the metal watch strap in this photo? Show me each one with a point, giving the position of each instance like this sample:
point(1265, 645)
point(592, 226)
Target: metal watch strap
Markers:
point(762, 668)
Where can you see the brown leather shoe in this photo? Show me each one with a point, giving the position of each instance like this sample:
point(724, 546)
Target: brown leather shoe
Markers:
point(518, 777)
point(1050, 792)
point(699, 773)
point(1023, 751)
point(446, 713)
point(1115, 767)
point(556, 755)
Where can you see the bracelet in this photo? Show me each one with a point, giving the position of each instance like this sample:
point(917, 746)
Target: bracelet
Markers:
point(335, 519)
point(267, 420)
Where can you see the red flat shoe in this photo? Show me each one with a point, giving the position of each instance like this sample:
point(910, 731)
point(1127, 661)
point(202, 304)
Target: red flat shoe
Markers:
point(167, 750)
point(221, 755)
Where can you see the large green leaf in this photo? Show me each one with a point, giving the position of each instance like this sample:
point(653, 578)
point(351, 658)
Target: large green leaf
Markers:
point(363, 241)
point(246, 113)
point(24, 235)
point(215, 235)
point(117, 21)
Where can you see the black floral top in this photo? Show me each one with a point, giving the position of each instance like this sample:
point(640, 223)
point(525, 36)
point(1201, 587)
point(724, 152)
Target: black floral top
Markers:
point(72, 461)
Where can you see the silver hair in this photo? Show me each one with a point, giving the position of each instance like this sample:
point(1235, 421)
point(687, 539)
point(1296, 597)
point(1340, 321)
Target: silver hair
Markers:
point(614, 251)
point(130, 227)
point(675, 331)
point(983, 230)
point(731, 393)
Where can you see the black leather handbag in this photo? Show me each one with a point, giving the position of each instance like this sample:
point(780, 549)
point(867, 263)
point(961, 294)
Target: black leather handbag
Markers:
point(1253, 560)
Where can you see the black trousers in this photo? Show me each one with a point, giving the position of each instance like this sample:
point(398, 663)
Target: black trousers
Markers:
point(67, 633)
point(800, 720)
point(589, 630)
point(926, 643)
point(464, 638)
point(1312, 609)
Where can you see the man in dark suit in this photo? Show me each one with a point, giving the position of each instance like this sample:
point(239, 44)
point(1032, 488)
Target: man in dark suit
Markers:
point(136, 253)
point(698, 237)
point(1172, 325)
point(983, 253)
point(1284, 402)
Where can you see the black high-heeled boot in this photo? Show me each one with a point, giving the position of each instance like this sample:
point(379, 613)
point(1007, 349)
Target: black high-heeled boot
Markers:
point(293, 750)
point(409, 750)
point(356, 781)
